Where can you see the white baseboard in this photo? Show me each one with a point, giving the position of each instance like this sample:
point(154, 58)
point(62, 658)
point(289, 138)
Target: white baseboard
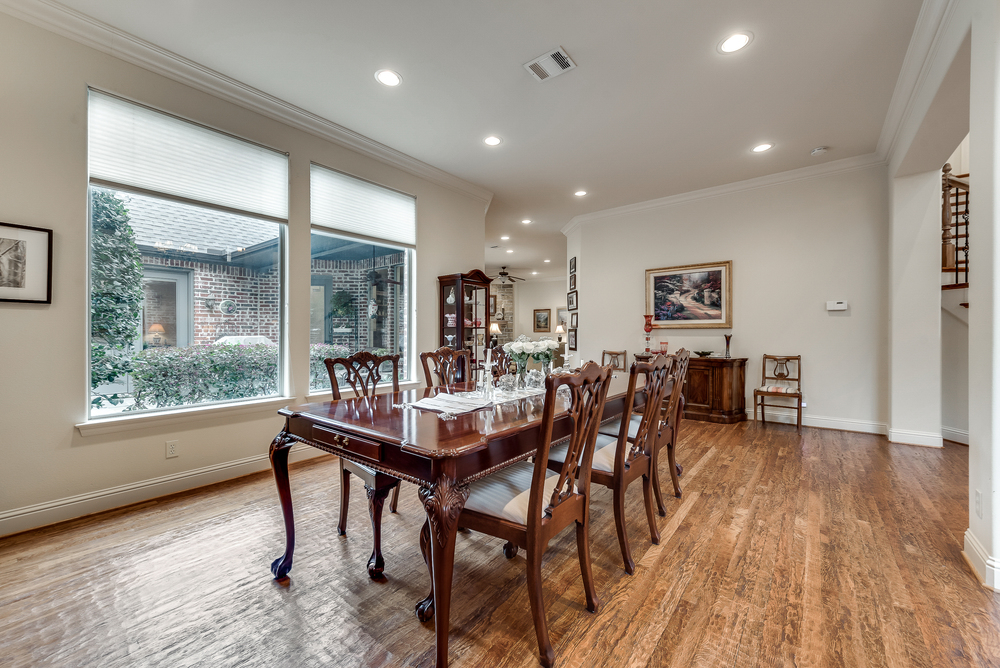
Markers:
point(957, 435)
point(987, 568)
point(926, 439)
point(785, 416)
point(50, 512)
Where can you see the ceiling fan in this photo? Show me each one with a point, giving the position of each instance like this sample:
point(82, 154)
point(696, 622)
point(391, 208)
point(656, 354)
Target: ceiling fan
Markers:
point(503, 277)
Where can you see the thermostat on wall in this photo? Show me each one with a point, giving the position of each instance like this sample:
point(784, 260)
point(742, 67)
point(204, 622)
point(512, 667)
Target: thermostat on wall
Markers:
point(836, 306)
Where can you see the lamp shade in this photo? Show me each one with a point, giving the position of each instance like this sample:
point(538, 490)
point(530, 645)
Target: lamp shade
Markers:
point(156, 329)
point(494, 328)
point(560, 330)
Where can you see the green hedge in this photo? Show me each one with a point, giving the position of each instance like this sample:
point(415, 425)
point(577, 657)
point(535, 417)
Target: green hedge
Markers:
point(164, 377)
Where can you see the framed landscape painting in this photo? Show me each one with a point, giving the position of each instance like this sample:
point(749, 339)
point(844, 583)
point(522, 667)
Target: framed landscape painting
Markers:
point(541, 318)
point(693, 296)
point(25, 264)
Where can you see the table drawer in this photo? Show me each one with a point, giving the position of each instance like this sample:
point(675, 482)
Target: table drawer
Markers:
point(353, 444)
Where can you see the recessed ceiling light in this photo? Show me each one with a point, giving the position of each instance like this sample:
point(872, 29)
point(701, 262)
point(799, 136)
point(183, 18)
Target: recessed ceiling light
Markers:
point(510, 250)
point(580, 193)
point(388, 78)
point(534, 273)
point(504, 238)
point(760, 148)
point(526, 221)
point(492, 141)
point(548, 260)
point(735, 42)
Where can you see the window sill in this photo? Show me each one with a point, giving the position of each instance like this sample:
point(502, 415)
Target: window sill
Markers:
point(120, 423)
point(327, 395)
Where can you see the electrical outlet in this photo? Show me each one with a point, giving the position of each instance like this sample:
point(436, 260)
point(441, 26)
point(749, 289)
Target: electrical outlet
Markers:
point(979, 503)
point(171, 449)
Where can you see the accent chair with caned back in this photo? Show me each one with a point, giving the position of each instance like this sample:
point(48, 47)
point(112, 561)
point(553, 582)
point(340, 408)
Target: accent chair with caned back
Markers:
point(446, 366)
point(624, 449)
point(778, 380)
point(527, 505)
point(364, 372)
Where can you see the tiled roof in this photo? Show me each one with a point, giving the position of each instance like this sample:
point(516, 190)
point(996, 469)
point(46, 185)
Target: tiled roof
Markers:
point(171, 225)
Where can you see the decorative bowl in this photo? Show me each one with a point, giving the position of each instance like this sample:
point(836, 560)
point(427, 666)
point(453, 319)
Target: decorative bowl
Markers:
point(703, 353)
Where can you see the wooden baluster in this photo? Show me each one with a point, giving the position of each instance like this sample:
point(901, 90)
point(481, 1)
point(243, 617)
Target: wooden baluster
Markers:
point(948, 249)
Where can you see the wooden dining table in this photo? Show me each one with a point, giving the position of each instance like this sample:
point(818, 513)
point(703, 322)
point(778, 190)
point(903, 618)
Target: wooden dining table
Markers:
point(441, 456)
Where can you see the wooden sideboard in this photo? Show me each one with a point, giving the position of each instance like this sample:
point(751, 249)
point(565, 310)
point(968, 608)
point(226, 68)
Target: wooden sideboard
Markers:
point(715, 390)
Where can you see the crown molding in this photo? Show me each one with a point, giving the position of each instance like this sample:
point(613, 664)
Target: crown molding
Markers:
point(932, 23)
point(803, 173)
point(85, 30)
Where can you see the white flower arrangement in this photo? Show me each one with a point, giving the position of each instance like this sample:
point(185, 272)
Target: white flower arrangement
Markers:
point(522, 348)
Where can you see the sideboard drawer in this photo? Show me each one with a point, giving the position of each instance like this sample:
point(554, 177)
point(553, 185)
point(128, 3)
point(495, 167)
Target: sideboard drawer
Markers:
point(353, 444)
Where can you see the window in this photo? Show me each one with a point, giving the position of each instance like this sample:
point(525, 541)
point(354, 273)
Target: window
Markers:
point(186, 273)
point(362, 257)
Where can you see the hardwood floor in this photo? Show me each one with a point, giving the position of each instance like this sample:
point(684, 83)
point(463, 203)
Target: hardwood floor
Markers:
point(825, 549)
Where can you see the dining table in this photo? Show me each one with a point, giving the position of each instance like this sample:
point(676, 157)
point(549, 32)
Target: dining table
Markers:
point(441, 454)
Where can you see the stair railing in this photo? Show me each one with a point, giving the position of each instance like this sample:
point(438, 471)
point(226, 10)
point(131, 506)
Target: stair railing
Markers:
point(955, 225)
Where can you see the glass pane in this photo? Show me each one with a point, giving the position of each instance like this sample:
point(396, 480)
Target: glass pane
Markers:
point(185, 304)
point(358, 301)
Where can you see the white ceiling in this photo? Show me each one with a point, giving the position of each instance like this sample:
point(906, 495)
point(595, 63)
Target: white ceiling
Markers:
point(653, 109)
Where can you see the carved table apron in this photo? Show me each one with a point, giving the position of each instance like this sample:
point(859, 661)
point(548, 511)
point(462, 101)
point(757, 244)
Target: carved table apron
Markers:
point(441, 456)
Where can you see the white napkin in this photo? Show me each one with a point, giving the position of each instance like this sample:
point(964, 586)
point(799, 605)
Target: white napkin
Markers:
point(450, 403)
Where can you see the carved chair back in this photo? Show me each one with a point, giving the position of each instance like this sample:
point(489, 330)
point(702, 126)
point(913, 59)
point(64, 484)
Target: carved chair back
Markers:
point(675, 386)
point(364, 372)
point(656, 372)
point(445, 365)
point(502, 362)
point(776, 368)
point(588, 390)
point(616, 358)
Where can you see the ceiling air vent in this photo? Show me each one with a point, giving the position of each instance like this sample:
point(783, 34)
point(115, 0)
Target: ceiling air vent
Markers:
point(551, 64)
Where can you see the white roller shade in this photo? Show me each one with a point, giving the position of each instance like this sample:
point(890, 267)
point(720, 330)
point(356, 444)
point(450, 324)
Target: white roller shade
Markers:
point(347, 204)
point(135, 146)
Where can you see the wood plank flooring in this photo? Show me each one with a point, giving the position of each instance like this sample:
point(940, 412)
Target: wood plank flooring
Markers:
point(825, 549)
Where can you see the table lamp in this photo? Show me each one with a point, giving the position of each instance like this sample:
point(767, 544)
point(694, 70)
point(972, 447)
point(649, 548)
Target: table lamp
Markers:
point(157, 333)
point(494, 334)
point(559, 332)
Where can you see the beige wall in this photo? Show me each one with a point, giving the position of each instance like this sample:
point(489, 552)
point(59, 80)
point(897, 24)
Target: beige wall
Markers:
point(531, 295)
point(794, 246)
point(50, 471)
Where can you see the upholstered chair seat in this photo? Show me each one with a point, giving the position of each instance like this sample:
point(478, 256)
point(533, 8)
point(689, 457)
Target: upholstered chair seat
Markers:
point(505, 493)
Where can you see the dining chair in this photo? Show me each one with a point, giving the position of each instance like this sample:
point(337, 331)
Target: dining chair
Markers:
point(616, 358)
point(363, 374)
point(527, 505)
point(780, 382)
point(502, 361)
point(446, 366)
point(623, 452)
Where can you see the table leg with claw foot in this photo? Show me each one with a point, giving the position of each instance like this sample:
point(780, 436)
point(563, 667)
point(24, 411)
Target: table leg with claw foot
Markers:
point(278, 454)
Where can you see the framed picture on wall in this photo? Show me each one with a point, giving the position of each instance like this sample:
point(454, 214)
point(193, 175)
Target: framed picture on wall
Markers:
point(493, 304)
point(692, 296)
point(571, 300)
point(562, 318)
point(541, 318)
point(25, 264)
point(571, 339)
point(572, 265)
point(572, 281)
point(574, 320)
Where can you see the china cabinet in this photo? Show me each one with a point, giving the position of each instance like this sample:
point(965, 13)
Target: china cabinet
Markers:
point(465, 317)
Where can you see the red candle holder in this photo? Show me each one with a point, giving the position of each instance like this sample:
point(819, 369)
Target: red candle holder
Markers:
point(648, 327)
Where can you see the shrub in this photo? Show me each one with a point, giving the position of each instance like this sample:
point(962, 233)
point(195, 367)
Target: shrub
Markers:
point(319, 379)
point(182, 376)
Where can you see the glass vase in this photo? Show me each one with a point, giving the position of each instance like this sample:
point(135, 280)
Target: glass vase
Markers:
point(521, 372)
point(547, 366)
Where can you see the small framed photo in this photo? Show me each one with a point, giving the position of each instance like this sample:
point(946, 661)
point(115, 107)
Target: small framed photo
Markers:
point(571, 300)
point(572, 281)
point(25, 264)
point(571, 339)
point(572, 265)
point(493, 304)
point(541, 319)
point(574, 320)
